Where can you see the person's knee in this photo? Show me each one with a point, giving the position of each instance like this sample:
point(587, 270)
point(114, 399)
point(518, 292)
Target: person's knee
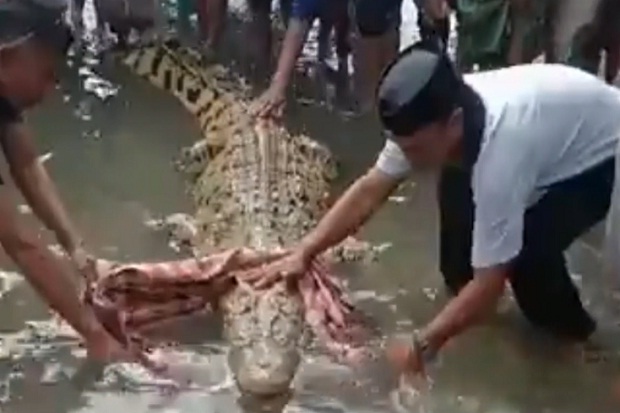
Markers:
point(547, 295)
point(376, 18)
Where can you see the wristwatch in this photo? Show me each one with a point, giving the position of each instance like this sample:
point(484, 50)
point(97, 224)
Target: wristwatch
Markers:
point(421, 345)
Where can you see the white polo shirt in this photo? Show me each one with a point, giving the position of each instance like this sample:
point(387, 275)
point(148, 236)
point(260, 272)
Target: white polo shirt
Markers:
point(545, 123)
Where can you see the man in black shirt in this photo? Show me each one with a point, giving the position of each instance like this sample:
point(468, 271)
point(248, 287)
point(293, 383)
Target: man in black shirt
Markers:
point(33, 38)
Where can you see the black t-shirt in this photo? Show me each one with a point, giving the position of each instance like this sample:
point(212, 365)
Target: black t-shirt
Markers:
point(9, 114)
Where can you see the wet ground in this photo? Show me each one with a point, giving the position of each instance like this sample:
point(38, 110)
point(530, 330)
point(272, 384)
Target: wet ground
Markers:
point(111, 161)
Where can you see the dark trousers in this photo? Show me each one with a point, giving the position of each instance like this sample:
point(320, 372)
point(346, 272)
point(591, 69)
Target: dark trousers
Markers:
point(539, 277)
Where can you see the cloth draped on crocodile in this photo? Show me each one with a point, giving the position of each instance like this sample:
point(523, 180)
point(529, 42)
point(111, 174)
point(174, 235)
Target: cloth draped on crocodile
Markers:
point(129, 298)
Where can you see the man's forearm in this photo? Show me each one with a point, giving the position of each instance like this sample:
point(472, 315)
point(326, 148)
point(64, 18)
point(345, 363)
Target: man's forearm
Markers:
point(351, 211)
point(41, 194)
point(45, 274)
point(291, 49)
point(475, 301)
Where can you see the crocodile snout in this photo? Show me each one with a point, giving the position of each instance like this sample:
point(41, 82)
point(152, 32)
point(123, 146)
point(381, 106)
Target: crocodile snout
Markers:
point(264, 369)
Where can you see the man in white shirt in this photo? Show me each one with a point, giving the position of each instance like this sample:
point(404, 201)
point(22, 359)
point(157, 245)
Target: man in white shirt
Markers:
point(527, 161)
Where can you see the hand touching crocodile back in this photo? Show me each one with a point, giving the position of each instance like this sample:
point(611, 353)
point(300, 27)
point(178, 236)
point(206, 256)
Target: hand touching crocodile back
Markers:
point(204, 91)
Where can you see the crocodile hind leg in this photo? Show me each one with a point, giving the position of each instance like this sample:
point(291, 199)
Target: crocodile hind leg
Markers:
point(193, 160)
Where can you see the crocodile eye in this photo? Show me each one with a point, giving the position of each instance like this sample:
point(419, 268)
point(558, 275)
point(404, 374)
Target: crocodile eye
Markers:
point(282, 318)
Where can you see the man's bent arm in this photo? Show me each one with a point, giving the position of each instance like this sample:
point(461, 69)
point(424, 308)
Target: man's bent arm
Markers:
point(475, 301)
point(352, 210)
point(34, 182)
point(43, 270)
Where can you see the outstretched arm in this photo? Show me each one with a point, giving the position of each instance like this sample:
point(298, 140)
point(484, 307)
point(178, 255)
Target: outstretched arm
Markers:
point(34, 182)
point(474, 302)
point(291, 49)
point(271, 103)
point(352, 210)
point(358, 202)
point(43, 270)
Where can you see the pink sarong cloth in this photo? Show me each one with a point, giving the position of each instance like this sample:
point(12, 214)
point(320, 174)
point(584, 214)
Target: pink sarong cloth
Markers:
point(131, 297)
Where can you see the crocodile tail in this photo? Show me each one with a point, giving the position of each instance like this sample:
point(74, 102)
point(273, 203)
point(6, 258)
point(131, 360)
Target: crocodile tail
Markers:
point(178, 70)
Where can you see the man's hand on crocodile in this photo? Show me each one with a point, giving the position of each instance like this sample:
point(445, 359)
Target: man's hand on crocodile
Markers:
point(406, 357)
point(84, 263)
point(271, 103)
point(102, 347)
point(294, 263)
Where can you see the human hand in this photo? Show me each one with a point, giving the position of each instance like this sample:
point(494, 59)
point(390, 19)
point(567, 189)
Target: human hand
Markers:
point(271, 103)
point(293, 263)
point(84, 263)
point(102, 347)
point(406, 357)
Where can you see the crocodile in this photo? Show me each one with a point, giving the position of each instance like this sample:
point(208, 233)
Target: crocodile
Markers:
point(254, 186)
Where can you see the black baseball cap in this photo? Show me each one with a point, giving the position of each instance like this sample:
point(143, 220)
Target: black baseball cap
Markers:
point(419, 87)
point(40, 20)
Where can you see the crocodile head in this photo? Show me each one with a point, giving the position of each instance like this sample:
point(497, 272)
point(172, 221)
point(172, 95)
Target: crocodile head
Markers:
point(264, 330)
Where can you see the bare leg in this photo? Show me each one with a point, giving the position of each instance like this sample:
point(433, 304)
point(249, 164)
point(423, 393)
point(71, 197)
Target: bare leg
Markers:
point(100, 31)
point(325, 31)
point(373, 54)
point(203, 20)
point(612, 65)
point(216, 11)
point(516, 49)
point(77, 8)
point(285, 11)
point(343, 49)
point(378, 25)
point(259, 34)
point(551, 13)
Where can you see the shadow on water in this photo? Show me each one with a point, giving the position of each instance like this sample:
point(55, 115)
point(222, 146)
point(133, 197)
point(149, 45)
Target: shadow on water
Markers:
point(111, 160)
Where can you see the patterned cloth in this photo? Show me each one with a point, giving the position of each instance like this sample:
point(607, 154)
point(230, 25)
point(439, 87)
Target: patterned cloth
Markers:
point(131, 297)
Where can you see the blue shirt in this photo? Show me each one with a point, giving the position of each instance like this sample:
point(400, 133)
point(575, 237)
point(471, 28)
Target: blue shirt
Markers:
point(309, 9)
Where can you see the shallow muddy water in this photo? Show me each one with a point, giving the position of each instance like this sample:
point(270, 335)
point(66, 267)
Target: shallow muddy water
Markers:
point(111, 160)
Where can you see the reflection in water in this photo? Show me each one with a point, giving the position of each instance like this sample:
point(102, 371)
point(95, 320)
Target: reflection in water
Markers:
point(113, 137)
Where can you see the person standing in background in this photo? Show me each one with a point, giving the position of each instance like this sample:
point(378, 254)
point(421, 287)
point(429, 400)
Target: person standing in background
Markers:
point(378, 27)
point(332, 14)
point(602, 34)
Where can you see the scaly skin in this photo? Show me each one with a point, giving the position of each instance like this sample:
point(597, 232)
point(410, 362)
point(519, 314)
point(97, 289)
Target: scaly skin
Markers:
point(254, 185)
point(203, 91)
